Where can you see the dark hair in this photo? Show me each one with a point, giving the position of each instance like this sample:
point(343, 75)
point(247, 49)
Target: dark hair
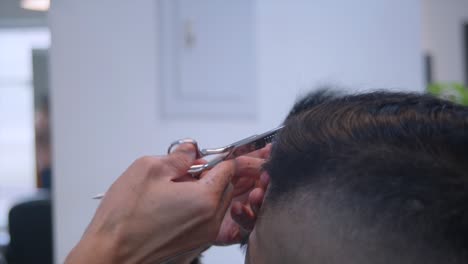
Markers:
point(396, 160)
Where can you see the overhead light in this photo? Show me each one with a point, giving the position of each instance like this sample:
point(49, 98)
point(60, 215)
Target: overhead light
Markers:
point(36, 5)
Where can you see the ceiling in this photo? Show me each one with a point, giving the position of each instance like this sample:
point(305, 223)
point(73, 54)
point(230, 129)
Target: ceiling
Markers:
point(12, 15)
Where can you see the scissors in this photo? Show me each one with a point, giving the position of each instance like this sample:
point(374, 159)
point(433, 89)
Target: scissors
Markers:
point(231, 151)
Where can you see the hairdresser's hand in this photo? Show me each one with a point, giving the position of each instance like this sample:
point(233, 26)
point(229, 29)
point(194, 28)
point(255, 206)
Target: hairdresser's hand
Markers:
point(154, 212)
point(250, 184)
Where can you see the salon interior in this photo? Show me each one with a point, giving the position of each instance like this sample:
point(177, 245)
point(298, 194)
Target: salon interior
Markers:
point(88, 86)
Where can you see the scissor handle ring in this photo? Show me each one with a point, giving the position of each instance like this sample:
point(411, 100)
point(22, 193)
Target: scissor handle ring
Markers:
point(183, 141)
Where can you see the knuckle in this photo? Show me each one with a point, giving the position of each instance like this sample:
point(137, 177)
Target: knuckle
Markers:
point(143, 161)
point(177, 162)
point(149, 164)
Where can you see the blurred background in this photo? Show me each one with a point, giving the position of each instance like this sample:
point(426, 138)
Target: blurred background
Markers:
point(88, 86)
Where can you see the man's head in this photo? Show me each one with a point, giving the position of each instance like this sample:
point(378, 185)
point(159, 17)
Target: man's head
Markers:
point(371, 178)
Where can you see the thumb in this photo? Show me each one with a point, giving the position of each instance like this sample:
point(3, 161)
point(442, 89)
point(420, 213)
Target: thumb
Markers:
point(218, 179)
point(182, 158)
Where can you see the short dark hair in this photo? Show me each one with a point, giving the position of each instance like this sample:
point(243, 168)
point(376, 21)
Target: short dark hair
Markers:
point(396, 160)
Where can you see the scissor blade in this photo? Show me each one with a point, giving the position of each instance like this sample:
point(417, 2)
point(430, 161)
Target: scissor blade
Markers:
point(253, 143)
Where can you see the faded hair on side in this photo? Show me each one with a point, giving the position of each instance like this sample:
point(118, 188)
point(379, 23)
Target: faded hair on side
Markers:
point(395, 160)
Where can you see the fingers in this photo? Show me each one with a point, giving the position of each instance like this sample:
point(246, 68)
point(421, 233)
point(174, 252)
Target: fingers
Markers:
point(181, 158)
point(217, 182)
point(188, 177)
point(264, 180)
point(256, 200)
point(262, 153)
point(219, 178)
point(200, 161)
point(246, 215)
point(243, 216)
point(248, 167)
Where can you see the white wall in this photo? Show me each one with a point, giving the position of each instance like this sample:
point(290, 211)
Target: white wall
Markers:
point(443, 37)
point(105, 92)
point(13, 16)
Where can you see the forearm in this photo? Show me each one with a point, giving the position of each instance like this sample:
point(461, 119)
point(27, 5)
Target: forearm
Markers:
point(93, 251)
